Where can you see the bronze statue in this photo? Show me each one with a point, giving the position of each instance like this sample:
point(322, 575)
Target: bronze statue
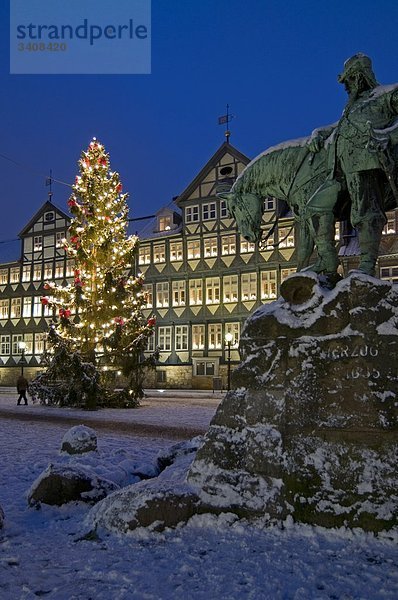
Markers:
point(364, 152)
point(354, 159)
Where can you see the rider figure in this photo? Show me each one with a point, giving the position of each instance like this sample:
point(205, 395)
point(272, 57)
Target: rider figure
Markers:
point(360, 147)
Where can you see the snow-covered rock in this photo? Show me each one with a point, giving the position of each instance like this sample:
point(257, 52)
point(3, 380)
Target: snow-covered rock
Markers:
point(79, 439)
point(156, 503)
point(168, 456)
point(60, 484)
point(310, 431)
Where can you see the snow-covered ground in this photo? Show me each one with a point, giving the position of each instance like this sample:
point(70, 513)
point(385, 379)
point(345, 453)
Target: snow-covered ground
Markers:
point(209, 558)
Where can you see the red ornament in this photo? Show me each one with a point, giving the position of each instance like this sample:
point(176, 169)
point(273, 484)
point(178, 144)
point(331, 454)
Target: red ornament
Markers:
point(119, 188)
point(78, 282)
point(76, 272)
point(102, 161)
point(119, 321)
point(44, 300)
point(74, 239)
point(46, 286)
point(72, 203)
point(64, 313)
point(151, 322)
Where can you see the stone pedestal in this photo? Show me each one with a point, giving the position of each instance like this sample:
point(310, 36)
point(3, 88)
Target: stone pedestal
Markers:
point(311, 429)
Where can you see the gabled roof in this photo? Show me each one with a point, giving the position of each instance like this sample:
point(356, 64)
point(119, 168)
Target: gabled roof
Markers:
point(225, 148)
point(46, 207)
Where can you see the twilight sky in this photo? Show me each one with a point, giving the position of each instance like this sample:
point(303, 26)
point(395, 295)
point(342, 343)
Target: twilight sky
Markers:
point(274, 62)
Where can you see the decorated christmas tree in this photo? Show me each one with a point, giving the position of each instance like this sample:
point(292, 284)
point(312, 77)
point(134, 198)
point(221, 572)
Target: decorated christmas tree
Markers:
point(99, 315)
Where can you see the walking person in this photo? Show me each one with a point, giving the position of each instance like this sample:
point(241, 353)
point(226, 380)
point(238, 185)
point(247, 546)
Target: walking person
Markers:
point(22, 386)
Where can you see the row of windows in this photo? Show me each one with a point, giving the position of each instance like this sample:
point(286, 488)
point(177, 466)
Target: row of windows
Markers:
point(389, 273)
point(209, 210)
point(185, 337)
point(34, 344)
point(37, 272)
point(209, 247)
point(213, 290)
point(46, 241)
point(27, 307)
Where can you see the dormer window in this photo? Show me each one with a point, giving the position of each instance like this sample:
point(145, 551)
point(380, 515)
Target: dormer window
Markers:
point(164, 223)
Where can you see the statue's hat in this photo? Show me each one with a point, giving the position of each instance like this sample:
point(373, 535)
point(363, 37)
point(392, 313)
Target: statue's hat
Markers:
point(358, 63)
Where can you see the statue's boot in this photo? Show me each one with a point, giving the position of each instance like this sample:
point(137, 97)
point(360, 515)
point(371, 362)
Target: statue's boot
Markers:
point(324, 226)
point(369, 235)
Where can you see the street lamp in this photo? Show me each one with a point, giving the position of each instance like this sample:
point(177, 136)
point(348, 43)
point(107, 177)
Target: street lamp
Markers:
point(228, 340)
point(22, 361)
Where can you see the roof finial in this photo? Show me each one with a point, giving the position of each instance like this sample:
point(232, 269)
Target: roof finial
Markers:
point(49, 181)
point(225, 119)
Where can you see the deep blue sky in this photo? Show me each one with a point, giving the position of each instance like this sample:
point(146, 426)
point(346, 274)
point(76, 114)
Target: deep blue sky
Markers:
point(274, 62)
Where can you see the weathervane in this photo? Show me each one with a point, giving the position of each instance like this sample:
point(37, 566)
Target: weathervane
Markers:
point(49, 181)
point(225, 119)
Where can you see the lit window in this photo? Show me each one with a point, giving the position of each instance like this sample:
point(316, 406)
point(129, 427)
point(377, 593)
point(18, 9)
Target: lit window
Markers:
point(27, 307)
point(150, 343)
point(211, 247)
point(144, 256)
point(4, 308)
point(162, 294)
point(5, 345)
point(164, 338)
point(3, 276)
point(215, 336)
point(228, 244)
point(70, 267)
point(249, 286)
point(389, 274)
point(389, 227)
point(16, 307)
point(37, 272)
point(48, 270)
point(337, 232)
point(268, 285)
point(48, 310)
point(159, 253)
point(230, 288)
point(286, 237)
point(14, 274)
point(28, 339)
point(267, 244)
point(234, 330)
point(223, 209)
point(40, 343)
point(37, 307)
point(178, 293)
point(193, 249)
point(148, 294)
point(181, 337)
point(246, 247)
point(26, 273)
point(209, 211)
point(164, 223)
point(195, 292)
point(16, 348)
point(175, 251)
point(59, 239)
point(213, 290)
point(37, 243)
point(192, 214)
point(59, 269)
point(286, 273)
point(198, 337)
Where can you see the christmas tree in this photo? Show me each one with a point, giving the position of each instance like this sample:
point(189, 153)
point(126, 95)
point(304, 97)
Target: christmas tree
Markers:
point(99, 315)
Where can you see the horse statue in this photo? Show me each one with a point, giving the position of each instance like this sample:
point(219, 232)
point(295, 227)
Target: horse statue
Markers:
point(291, 172)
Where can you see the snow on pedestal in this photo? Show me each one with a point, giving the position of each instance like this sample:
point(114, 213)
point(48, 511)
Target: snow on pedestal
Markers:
point(311, 428)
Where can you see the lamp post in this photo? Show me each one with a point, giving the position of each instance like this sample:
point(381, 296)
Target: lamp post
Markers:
point(22, 347)
point(228, 341)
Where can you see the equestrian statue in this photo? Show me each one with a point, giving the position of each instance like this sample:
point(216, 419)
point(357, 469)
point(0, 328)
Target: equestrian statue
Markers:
point(348, 169)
